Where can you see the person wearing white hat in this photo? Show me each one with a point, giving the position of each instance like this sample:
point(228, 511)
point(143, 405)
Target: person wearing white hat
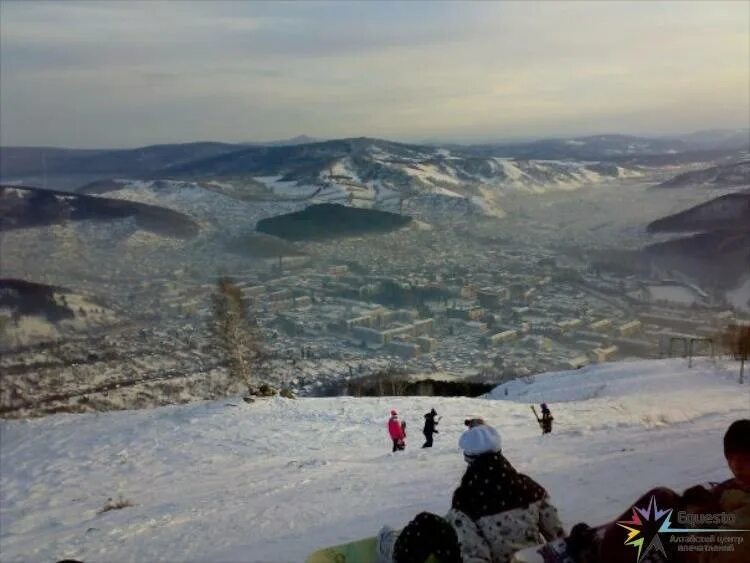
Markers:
point(495, 512)
point(478, 440)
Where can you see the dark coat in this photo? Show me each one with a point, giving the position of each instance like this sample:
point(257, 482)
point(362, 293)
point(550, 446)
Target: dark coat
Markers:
point(430, 423)
point(546, 422)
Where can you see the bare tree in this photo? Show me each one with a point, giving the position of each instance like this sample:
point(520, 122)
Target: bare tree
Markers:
point(236, 330)
point(736, 341)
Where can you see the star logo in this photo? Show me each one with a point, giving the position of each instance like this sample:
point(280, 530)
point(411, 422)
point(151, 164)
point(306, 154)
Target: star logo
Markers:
point(644, 527)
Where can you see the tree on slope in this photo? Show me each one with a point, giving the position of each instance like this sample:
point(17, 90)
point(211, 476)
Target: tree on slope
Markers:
point(236, 330)
point(736, 341)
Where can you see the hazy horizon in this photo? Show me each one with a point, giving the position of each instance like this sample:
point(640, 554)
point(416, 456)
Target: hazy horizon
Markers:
point(118, 75)
point(432, 141)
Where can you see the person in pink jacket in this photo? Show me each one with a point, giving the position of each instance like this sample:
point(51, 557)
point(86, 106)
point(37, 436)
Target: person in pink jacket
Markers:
point(397, 431)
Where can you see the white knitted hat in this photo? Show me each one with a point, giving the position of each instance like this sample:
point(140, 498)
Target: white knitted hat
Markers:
point(479, 440)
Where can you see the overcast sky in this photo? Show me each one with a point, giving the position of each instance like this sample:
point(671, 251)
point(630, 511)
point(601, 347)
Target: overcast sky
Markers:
point(108, 74)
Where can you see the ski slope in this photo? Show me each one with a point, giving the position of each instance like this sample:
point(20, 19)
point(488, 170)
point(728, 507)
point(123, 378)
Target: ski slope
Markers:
point(272, 481)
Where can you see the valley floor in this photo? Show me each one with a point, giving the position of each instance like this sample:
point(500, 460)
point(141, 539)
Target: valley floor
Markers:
point(273, 481)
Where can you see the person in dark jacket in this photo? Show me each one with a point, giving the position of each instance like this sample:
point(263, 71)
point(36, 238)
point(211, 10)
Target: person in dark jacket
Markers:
point(546, 422)
point(430, 427)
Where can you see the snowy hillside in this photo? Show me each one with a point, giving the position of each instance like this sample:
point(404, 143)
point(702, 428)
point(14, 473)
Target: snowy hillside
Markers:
point(378, 174)
point(727, 212)
point(38, 313)
point(214, 205)
point(227, 481)
point(716, 245)
point(723, 175)
point(24, 207)
point(370, 173)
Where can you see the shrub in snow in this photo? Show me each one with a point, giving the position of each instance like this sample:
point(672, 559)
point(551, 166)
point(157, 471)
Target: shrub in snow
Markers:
point(115, 504)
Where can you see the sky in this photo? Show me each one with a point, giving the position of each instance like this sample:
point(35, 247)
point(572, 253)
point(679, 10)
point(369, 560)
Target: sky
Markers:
point(109, 74)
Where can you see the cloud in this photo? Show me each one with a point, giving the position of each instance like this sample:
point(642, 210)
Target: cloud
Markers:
point(128, 73)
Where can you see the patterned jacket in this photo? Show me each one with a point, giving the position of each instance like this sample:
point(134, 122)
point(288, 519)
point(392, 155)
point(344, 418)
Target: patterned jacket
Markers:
point(497, 511)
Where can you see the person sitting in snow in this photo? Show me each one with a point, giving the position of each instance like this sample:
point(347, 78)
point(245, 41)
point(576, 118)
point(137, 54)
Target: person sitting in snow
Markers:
point(397, 432)
point(430, 427)
point(605, 544)
point(495, 511)
point(479, 439)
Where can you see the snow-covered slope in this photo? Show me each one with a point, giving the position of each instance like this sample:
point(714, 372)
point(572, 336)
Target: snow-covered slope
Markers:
point(379, 175)
point(375, 173)
point(32, 313)
point(214, 205)
point(227, 481)
point(726, 212)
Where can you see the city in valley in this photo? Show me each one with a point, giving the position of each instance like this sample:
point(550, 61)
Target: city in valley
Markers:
point(490, 275)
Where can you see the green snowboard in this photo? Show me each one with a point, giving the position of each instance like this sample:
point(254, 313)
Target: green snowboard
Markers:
point(361, 551)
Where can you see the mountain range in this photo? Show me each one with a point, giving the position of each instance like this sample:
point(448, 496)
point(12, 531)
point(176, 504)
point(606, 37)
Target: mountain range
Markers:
point(367, 172)
point(162, 160)
point(185, 190)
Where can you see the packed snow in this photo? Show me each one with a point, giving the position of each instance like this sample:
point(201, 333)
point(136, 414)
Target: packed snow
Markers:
point(274, 480)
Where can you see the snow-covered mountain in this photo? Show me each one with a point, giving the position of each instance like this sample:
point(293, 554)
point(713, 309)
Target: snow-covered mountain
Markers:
point(18, 162)
point(374, 166)
point(369, 173)
point(720, 176)
point(272, 481)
